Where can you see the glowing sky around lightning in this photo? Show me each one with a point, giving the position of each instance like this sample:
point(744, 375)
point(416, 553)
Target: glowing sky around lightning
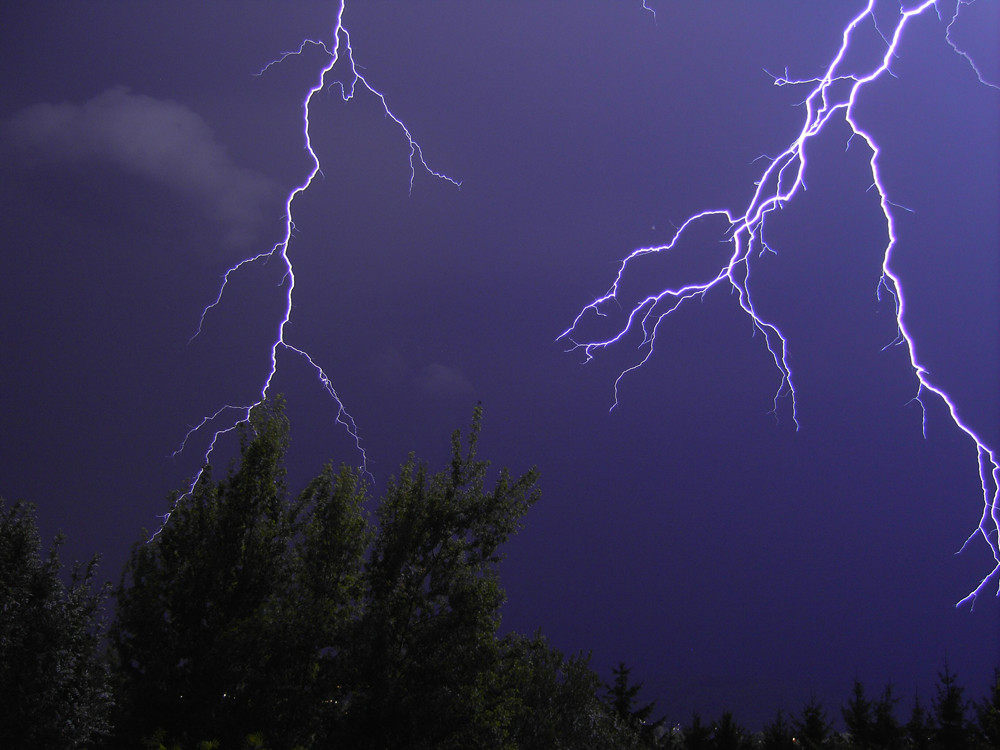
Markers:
point(831, 96)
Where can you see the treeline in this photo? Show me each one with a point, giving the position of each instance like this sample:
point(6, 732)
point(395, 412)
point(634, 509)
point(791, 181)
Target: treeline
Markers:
point(950, 722)
point(254, 619)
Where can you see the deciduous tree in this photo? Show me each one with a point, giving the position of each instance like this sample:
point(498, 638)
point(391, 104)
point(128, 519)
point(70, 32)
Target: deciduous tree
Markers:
point(431, 607)
point(199, 635)
point(54, 684)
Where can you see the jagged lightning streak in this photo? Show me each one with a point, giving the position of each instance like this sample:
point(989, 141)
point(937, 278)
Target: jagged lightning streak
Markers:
point(338, 49)
point(832, 97)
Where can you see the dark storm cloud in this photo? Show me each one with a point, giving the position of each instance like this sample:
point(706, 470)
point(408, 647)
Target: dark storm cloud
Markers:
point(160, 140)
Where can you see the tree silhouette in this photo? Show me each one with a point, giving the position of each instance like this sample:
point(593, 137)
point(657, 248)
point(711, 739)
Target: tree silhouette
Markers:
point(697, 735)
point(988, 714)
point(621, 695)
point(952, 730)
point(427, 633)
point(777, 735)
point(858, 717)
point(253, 619)
point(201, 645)
point(811, 728)
point(54, 685)
point(920, 727)
point(728, 735)
point(257, 620)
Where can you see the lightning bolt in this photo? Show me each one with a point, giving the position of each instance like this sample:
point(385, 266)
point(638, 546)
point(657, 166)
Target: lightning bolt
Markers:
point(831, 97)
point(228, 417)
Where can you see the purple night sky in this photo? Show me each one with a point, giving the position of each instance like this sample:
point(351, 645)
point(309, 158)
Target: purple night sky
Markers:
point(731, 560)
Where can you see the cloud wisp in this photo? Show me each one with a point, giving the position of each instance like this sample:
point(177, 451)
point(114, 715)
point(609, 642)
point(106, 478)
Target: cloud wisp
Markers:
point(159, 140)
point(434, 380)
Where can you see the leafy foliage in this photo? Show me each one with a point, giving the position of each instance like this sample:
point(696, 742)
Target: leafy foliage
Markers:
point(54, 685)
point(550, 701)
point(252, 617)
point(427, 632)
point(199, 638)
point(263, 621)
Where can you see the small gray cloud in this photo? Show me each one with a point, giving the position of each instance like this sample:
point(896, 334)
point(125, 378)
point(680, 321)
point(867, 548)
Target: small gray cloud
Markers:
point(440, 380)
point(435, 379)
point(159, 140)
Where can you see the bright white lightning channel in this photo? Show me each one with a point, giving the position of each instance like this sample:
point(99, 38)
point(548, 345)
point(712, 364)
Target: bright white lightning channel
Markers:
point(832, 97)
point(337, 50)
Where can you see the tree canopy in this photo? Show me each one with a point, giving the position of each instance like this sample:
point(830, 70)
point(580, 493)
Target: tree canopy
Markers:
point(54, 686)
point(310, 622)
point(255, 618)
